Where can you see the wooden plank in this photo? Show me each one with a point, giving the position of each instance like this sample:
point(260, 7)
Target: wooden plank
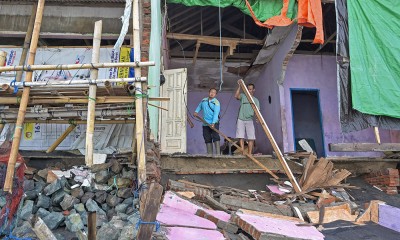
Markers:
point(377, 136)
point(92, 226)
point(24, 100)
point(270, 137)
point(209, 39)
point(238, 147)
point(331, 214)
point(371, 213)
point(41, 230)
point(150, 210)
point(364, 147)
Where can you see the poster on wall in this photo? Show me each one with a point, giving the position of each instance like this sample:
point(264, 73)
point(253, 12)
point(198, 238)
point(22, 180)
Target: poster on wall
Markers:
point(41, 136)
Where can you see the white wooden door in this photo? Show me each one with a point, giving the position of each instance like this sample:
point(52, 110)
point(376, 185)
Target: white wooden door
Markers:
point(173, 121)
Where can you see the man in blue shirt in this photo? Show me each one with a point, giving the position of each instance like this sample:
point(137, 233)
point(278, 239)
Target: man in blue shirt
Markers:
point(211, 109)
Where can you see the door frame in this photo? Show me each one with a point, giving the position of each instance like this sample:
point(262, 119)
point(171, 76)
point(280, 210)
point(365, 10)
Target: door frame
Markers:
point(320, 115)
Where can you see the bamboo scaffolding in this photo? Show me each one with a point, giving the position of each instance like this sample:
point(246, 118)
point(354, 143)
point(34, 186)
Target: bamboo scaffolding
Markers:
point(109, 88)
point(72, 114)
point(61, 138)
point(27, 41)
point(8, 184)
point(140, 140)
point(92, 94)
point(74, 121)
point(31, 67)
point(73, 99)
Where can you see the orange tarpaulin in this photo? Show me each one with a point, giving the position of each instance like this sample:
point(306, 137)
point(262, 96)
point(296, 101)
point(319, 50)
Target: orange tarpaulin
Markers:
point(309, 15)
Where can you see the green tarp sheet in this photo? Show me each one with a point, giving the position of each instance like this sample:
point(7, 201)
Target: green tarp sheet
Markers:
point(374, 42)
point(263, 9)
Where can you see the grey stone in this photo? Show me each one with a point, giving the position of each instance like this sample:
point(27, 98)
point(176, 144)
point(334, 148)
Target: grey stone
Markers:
point(101, 218)
point(43, 173)
point(84, 217)
point(125, 193)
point(31, 195)
point(123, 216)
point(128, 233)
point(130, 210)
point(102, 177)
point(111, 213)
point(53, 220)
point(134, 218)
point(117, 222)
point(43, 201)
point(39, 186)
point(26, 210)
point(73, 211)
point(74, 222)
point(105, 207)
point(3, 201)
point(42, 213)
point(128, 174)
point(80, 208)
point(57, 197)
point(112, 200)
point(121, 208)
point(29, 185)
point(116, 167)
point(108, 232)
point(68, 202)
point(55, 209)
point(100, 197)
point(92, 206)
point(86, 196)
point(24, 231)
point(52, 187)
point(64, 183)
point(77, 192)
point(128, 201)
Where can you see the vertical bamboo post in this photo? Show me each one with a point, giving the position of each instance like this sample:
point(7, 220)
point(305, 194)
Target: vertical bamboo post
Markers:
point(24, 100)
point(140, 140)
point(92, 94)
point(377, 136)
point(27, 41)
point(3, 56)
point(61, 138)
point(92, 226)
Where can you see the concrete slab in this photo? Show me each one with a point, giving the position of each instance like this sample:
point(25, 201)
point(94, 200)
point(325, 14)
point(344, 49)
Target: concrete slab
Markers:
point(179, 233)
point(173, 200)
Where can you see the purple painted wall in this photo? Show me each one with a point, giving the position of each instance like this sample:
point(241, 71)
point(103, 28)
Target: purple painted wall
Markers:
point(319, 72)
point(229, 113)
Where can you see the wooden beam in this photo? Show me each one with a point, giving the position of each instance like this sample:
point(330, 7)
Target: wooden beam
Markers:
point(151, 203)
point(270, 137)
point(55, 35)
point(211, 39)
point(325, 42)
point(92, 225)
point(237, 31)
point(8, 184)
point(364, 147)
point(377, 136)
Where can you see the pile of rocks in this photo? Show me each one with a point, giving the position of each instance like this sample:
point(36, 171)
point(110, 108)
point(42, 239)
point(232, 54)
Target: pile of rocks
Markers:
point(64, 202)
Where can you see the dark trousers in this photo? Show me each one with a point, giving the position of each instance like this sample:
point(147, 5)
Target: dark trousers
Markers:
point(210, 135)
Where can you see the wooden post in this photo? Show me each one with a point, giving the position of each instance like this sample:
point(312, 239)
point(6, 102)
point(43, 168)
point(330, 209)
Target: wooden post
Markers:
point(140, 139)
point(241, 149)
point(92, 94)
point(24, 100)
point(61, 138)
point(92, 226)
point(3, 57)
point(278, 152)
point(27, 41)
point(377, 136)
point(41, 230)
point(151, 203)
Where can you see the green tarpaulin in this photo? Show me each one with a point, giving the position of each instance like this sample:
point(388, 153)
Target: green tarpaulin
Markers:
point(374, 41)
point(263, 9)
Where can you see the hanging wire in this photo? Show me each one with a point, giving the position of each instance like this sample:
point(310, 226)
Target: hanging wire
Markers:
point(220, 45)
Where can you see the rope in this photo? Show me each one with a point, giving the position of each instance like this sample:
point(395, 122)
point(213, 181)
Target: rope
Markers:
point(156, 223)
point(92, 99)
point(114, 184)
point(220, 45)
point(12, 84)
point(72, 122)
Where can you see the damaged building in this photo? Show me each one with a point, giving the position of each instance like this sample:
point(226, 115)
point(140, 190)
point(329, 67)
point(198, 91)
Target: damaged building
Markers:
point(100, 137)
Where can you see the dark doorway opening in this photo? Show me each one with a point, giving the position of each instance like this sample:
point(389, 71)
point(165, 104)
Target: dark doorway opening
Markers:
point(307, 121)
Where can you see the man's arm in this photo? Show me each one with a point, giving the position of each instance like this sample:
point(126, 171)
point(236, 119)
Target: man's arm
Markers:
point(198, 109)
point(237, 93)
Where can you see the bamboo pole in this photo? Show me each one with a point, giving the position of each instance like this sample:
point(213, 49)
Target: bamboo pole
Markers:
point(92, 229)
point(70, 121)
point(31, 67)
point(3, 57)
point(73, 99)
point(377, 136)
point(61, 138)
point(270, 137)
point(109, 88)
point(140, 140)
point(27, 41)
point(92, 94)
point(7, 88)
point(24, 101)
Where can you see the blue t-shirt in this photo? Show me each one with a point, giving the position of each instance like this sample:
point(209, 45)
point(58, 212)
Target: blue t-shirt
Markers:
point(211, 109)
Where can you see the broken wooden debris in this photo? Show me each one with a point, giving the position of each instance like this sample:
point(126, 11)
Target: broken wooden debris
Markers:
point(220, 218)
point(332, 213)
point(371, 213)
point(364, 147)
point(41, 230)
point(186, 186)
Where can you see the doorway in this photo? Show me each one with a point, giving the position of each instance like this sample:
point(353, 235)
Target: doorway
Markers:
point(307, 119)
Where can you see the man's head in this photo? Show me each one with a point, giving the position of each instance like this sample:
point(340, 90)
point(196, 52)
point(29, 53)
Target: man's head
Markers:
point(251, 88)
point(212, 93)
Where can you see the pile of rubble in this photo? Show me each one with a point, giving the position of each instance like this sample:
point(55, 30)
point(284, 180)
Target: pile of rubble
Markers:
point(63, 199)
point(386, 180)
